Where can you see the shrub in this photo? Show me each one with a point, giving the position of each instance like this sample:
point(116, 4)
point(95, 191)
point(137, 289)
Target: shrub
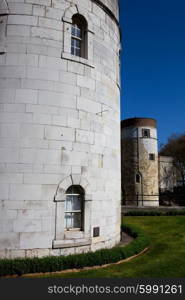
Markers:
point(22, 266)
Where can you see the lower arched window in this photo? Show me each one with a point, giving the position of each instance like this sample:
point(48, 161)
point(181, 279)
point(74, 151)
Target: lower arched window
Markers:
point(74, 208)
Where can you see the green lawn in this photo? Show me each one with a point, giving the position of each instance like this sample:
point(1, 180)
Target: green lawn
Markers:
point(165, 257)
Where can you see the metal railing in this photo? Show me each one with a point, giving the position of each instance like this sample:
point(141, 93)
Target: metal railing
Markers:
point(164, 199)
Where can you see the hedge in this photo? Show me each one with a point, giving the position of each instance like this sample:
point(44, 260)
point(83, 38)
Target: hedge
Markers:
point(20, 266)
point(173, 212)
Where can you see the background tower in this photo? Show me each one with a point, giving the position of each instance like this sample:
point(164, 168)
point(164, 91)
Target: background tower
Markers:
point(60, 126)
point(140, 162)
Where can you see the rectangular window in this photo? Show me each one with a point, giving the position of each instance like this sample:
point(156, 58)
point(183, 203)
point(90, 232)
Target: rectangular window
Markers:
point(73, 212)
point(151, 156)
point(146, 133)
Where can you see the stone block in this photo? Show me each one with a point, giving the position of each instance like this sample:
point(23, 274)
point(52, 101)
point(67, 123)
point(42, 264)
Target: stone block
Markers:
point(81, 147)
point(9, 240)
point(11, 178)
point(33, 143)
point(21, 59)
point(30, 240)
point(52, 63)
point(9, 131)
point(46, 33)
point(39, 2)
point(41, 179)
point(59, 133)
point(26, 96)
point(15, 118)
point(18, 30)
point(12, 72)
point(57, 99)
point(42, 109)
point(88, 105)
point(39, 10)
point(7, 95)
point(43, 253)
point(27, 225)
point(86, 137)
point(4, 191)
point(22, 20)
point(76, 68)
point(16, 48)
point(60, 145)
point(10, 83)
point(86, 82)
point(40, 156)
point(51, 23)
point(25, 192)
point(14, 108)
point(42, 73)
point(42, 119)
point(6, 225)
point(20, 8)
point(53, 13)
point(32, 131)
point(9, 155)
point(6, 213)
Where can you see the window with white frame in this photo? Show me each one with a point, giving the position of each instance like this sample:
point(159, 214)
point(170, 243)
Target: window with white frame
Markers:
point(79, 36)
point(74, 208)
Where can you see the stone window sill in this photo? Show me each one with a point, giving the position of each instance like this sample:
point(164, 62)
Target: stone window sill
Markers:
point(78, 59)
point(62, 244)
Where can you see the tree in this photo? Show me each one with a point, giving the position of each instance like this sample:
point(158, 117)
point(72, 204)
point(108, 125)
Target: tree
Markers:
point(175, 147)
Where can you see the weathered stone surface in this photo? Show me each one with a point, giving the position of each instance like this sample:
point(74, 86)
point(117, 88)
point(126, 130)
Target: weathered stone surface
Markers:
point(59, 125)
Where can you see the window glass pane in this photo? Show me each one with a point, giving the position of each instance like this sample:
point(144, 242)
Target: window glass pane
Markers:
point(72, 50)
point(77, 52)
point(68, 220)
point(73, 30)
point(73, 42)
point(76, 204)
point(78, 32)
point(76, 220)
point(68, 203)
point(77, 43)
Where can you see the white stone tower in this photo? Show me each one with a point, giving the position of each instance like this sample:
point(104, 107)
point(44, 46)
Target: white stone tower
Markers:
point(140, 162)
point(59, 126)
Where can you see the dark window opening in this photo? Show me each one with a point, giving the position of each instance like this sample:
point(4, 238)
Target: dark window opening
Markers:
point(138, 178)
point(146, 133)
point(151, 156)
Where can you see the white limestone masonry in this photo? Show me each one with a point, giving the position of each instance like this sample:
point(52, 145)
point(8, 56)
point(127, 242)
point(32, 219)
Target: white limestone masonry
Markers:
point(59, 126)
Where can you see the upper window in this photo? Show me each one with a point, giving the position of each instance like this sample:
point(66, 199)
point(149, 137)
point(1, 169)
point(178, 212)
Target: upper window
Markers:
point(146, 133)
point(151, 156)
point(74, 208)
point(79, 36)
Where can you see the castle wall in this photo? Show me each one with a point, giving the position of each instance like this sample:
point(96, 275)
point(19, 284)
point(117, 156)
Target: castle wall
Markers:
point(59, 126)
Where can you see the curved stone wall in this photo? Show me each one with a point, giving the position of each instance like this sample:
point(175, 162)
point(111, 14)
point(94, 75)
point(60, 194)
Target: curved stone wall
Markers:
point(140, 162)
point(60, 126)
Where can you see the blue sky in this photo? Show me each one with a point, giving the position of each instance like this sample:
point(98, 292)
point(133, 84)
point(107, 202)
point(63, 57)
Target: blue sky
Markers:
point(153, 63)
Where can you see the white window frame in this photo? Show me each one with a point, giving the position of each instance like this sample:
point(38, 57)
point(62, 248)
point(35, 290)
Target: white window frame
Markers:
point(67, 29)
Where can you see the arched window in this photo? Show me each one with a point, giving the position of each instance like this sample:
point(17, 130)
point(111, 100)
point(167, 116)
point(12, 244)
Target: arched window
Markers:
point(74, 208)
point(79, 36)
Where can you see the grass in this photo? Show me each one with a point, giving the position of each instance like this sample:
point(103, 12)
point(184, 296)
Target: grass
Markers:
point(165, 257)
